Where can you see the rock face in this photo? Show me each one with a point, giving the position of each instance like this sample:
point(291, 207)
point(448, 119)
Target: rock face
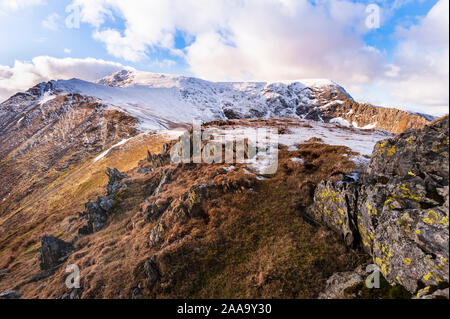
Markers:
point(399, 209)
point(54, 251)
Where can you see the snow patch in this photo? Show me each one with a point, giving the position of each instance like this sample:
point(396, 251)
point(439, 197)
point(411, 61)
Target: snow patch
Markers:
point(102, 155)
point(298, 160)
point(369, 126)
point(46, 98)
point(354, 176)
point(340, 121)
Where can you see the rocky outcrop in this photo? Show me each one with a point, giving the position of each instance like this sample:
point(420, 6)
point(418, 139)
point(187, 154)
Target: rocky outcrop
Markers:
point(97, 212)
point(53, 252)
point(153, 161)
point(399, 209)
point(364, 115)
point(186, 207)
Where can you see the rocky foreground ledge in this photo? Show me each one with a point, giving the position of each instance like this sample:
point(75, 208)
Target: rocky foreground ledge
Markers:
point(398, 211)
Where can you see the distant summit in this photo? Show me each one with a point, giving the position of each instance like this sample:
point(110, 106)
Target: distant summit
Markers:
point(158, 100)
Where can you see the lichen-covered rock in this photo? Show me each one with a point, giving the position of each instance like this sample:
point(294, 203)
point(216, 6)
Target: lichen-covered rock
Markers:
point(428, 293)
point(155, 210)
point(399, 206)
point(334, 206)
point(403, 207)
point(53, 252)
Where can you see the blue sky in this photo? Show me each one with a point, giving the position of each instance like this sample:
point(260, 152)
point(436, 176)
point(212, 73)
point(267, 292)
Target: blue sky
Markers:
point(240, 41)
point(23, 36)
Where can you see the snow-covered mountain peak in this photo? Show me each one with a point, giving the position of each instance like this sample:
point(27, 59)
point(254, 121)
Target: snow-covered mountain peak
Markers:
point(162, 100)
point(131, 77)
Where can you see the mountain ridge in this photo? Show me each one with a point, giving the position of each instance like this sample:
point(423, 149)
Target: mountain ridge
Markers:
point(160, 100)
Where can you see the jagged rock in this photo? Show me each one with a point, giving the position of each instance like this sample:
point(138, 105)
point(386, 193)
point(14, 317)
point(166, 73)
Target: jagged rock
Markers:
point(53, 252)
point(193, 198)
point(155, 210)
point(97, 212)
point(115, 180)
point(400, 207)
point(152, 272)
point(106, 203)
point(189, 206)
point(165, 178)
point(338, 282)
point(156, 234)
point(10, 294)
point(158, 160)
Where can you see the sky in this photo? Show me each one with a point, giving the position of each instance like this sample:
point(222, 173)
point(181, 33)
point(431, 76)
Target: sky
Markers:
point(392, 53)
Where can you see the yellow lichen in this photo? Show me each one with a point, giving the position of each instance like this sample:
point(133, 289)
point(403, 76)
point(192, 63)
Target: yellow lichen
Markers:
point(406, 193)
point(370, 210)
point(391, 150)
point(380, 147)
point(407, 261)
point(428, 276)
point(433, 218)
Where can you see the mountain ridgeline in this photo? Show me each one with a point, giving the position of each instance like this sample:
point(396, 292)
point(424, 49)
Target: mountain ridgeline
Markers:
point(161, 101)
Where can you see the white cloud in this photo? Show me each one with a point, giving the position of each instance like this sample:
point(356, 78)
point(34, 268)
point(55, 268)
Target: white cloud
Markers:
point(421, 63)
point(243, 40)
point(67, 51)
point(52, 22)
point(24, 75)
point(280, 40)
point(15, 5)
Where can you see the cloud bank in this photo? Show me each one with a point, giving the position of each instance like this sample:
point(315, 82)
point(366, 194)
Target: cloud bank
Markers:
point(24, 75)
